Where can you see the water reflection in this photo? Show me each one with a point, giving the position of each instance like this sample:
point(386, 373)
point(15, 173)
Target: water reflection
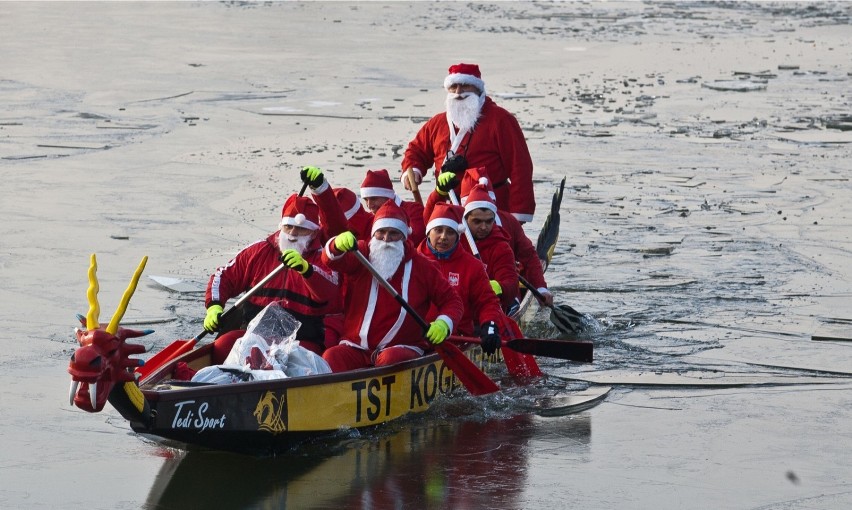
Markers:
point(437, 464)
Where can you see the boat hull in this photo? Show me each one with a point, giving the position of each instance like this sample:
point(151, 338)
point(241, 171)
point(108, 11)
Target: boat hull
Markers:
point(269, 416)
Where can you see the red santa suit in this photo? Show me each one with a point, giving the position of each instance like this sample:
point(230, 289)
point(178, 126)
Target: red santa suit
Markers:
point(497, 143)
point(373, 320)
point(465, 274)
point(377, 183)
point(312, 298)
point(529, 265)
point(340, 210)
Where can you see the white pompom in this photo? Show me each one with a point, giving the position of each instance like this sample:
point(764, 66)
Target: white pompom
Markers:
point(299, 219)
point(483, 181)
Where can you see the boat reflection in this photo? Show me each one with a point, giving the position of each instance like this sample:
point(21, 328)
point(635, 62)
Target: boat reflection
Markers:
point(438, 464)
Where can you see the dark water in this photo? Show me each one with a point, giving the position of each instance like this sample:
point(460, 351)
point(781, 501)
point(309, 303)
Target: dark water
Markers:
point(703, 231)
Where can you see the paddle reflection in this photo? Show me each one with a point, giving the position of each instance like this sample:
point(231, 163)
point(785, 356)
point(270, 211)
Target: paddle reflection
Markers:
point(470, 464)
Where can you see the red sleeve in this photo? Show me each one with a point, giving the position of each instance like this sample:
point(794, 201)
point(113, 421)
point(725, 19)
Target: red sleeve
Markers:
point(428, 146)
point(524, 251)
point(485, 302)
point(433, 199)
point(415, 221)
point(232, 278)
point(441, 294)
point(517, 160)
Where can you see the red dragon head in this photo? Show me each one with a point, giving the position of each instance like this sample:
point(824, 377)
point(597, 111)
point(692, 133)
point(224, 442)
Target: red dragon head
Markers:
point(102, 360)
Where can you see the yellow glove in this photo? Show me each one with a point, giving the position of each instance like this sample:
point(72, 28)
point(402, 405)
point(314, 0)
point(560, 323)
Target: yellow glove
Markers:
point(438, 331)
point(495, 286)
point(345, 242)
point(312, 176)
point(294, 260)
point(211, 321)
point(446, 182)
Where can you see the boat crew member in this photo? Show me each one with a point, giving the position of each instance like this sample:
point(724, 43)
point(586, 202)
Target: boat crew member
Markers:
point(475, 132)
point(376, 328)
point(528, 263)
point(465, 273)
point(308, 290)
point(376, 189)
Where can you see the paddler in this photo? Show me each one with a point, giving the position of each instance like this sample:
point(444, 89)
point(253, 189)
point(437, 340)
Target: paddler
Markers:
point(377, 330)
point(465, 274)
point(528, 263)
point(308, 290)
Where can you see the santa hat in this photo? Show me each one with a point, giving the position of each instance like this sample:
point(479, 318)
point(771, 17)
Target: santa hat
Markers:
point(300, 212)
point(377, 183)
point(447, 215)
point(479, 199)
point(390, 215)
point(465, 74)
point(472, 177)
point(348, 201)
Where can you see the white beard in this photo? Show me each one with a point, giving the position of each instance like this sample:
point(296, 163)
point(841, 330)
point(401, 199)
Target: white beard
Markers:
point(464, 113)
point(298, 243)
point(386, 257)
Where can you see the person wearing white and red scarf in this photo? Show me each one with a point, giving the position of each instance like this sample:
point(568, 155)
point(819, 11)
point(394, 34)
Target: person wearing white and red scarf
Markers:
point(377, 330)
point(484, 134)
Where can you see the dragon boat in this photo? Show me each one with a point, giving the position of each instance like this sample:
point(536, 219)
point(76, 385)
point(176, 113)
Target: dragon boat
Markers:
point(262, 416)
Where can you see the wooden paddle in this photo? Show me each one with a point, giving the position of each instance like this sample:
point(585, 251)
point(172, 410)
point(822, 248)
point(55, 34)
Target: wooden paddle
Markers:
point(476, 382)
point(518, 365)
point(571, 350)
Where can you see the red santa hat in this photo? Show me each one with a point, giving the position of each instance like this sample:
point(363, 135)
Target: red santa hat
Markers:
point(479, 199)
point(348, 201)
point(472, 177)
point(377, 183)
point(300, 212)
point(465, 74)
point(390, 215)
point(447, 215)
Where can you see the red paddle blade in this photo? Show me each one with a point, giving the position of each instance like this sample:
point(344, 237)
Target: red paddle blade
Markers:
point(169, 352)
point(521, 366)
point(476, 382)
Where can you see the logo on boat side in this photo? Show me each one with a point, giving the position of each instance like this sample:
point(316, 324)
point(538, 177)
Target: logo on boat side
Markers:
point(268, 412)
point(189, 417)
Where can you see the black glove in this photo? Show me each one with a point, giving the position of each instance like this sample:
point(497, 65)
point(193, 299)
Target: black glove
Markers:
point(312, 176)
point(490, 337)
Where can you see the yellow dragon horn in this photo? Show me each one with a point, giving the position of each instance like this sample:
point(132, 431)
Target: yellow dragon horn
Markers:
point(125, 299)
point(92, 295)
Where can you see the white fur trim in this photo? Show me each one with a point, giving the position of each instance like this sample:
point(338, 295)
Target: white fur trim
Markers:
point(352, 210)
point(446, 222)
point(465, 79)
point(482, 204)
point(330, 254)
point(294, 222)
point(377, 192)
point(324, 186)
point(391, 223)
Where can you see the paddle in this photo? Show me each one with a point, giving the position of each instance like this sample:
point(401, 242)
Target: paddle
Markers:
point(179, 347)
point(566, 319)
point(518, 365)
point(571, 350)
point(476, 382)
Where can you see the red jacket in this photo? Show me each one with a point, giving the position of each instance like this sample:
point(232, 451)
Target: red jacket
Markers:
point(308, 298)
point(333, 219)
point(466, 275)
point(496, 254)
point(373, 319)
point(497, 143)
point(529, 264)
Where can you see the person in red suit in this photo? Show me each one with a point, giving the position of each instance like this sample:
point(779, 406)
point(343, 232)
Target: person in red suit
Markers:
point(308, 290)
point(376, 328)
point(376, 189)
point(475, 132)
point(465, 273)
